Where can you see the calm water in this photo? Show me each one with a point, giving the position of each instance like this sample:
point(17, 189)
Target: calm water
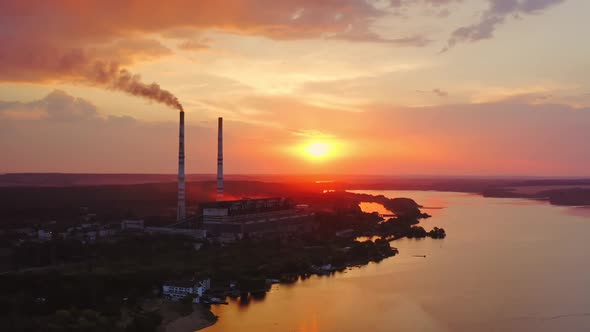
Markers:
point(506, 265)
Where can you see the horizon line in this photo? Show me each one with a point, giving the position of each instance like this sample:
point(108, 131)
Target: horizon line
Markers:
point(473, 176)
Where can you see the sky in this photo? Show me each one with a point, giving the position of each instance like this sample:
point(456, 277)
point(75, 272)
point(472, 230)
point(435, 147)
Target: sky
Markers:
point(398, 87)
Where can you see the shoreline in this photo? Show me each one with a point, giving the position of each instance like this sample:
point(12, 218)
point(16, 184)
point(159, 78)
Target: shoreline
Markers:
point(245, 267)
point(404, 225)
point(198, 319)
point(170, 326)
point(175, 318)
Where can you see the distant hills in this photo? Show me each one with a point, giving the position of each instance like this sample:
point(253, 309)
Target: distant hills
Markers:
point(384, 182)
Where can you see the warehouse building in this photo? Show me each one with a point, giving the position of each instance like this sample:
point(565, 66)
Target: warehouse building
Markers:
point(256, 218)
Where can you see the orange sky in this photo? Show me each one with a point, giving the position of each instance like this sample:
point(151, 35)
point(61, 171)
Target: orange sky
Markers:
point(488, 87)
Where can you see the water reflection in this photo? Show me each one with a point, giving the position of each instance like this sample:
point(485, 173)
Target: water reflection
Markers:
point(371, 207)
point(582, 211)
point(505, 266)
point(431, 201)
point(367, 238)
point(245, 299)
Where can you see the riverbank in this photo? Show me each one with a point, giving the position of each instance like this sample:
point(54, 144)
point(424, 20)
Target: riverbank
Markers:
point(179, 317)
point(337, 247)
point(471, 271)
point(106, 280)
point(198, 319)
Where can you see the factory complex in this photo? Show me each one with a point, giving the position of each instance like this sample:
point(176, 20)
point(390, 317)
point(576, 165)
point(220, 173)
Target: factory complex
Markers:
point(222, 219)
point(235, 219)
point(232, 220)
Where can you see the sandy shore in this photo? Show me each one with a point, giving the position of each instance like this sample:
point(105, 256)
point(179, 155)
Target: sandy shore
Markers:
point(193, 322)
point(174, 321)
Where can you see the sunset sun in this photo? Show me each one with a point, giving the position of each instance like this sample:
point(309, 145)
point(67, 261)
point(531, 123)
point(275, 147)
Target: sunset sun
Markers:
point(318, 150)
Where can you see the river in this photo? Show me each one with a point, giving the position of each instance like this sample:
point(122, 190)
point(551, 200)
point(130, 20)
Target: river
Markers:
point(506, 265)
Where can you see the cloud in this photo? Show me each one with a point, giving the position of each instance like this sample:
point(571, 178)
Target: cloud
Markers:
point(40, 41)
point(130, 50)
point(61, 132)
point(56, 106)
point(59, 107)
point(488, 138)
point(364, 35)
point(73, 136)
point(193, 45)
point(497, 13)
point(500, 137)
point(311, 133)
point(46, 41)
point(434, 3)
point(438, 92)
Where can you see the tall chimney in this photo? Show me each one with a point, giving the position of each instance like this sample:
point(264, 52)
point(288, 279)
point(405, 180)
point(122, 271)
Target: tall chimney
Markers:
point(181, 211)
point(220, 159)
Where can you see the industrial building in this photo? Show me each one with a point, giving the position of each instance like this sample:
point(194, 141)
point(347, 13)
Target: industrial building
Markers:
point(197, 234)
point(233, 220)
point(255, 218)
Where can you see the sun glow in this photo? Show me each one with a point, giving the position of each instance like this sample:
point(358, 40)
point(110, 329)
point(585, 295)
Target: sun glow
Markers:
point(318, 149)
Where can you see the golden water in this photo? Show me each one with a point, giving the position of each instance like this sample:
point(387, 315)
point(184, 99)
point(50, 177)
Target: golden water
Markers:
point(506, 265)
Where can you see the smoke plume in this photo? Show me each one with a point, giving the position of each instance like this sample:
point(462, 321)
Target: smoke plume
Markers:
point(42, 62)
point(111, 76)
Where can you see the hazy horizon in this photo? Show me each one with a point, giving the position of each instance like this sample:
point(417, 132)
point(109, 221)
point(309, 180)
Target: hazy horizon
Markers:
point(229, 175)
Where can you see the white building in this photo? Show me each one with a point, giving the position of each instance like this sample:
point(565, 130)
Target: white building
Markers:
point(178, 289)
point(202, 287)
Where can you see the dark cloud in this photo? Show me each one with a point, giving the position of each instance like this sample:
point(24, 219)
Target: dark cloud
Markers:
point(497, 13)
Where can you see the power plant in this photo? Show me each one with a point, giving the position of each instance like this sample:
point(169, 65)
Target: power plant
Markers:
point(220, 159)
point(229, 221)
point(181, 211)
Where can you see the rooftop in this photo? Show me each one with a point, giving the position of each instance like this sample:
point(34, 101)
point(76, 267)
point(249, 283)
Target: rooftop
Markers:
point(251, 205)
point(180, 283)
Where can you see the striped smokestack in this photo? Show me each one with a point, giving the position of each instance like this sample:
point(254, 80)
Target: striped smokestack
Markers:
point(181, 211)
point(220, 159)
